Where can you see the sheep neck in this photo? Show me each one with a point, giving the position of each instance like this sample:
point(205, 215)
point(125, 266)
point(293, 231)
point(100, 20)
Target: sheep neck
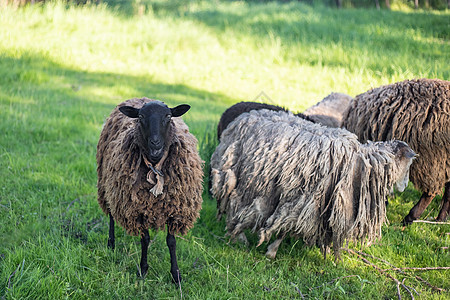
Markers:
point(153, 169)
point(154, 175)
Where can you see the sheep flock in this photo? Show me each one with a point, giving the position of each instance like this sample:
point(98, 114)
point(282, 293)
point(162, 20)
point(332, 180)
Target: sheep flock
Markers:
point(323, 175)
point(274, 173)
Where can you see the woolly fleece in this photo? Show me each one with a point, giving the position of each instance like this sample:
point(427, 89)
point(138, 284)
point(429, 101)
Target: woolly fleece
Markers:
point(415, 111)
point(123, 189)
point(275, 173)
point(329, 110)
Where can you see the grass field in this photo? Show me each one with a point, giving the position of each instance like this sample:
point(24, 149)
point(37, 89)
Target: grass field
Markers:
point(63, 69)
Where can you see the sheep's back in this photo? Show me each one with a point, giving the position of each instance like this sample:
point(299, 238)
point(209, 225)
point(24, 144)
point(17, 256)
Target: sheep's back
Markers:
point(123, 189)
point(414, 111)
point(330, 110)
point(237, 109)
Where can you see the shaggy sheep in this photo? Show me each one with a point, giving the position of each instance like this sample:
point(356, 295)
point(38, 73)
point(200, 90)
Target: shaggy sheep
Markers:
point(329, 111)
point(149, 173)
point(237, 109)
point(417, 112)
point(275, 173)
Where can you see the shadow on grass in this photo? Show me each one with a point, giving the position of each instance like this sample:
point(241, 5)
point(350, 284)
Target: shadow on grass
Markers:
point(51, 117)
point(303, 31)
point(289, 21)
point(32, 77)
point(46, 101)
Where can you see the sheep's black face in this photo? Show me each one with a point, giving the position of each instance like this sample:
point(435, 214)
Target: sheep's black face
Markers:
point(154, 123)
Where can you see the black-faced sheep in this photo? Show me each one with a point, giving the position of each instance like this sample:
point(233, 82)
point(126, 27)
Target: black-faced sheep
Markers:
point(417, 112)
point(278, 174)
point(149, 173)
point(330, 110)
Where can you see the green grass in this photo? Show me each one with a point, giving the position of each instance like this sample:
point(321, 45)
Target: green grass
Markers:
point(63, 69)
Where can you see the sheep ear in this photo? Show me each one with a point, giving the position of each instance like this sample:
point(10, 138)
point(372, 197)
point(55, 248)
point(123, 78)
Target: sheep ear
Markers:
point(129, 111)
point(404, 150)
point(410, 154)
point(179, 110)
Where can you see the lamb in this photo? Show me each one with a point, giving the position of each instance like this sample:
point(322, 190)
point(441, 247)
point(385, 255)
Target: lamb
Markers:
point(330, 110)
point(417, 112)
point(275, 173)
point(149, 173)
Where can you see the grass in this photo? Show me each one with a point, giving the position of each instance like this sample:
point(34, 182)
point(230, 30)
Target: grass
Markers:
point(63, 69)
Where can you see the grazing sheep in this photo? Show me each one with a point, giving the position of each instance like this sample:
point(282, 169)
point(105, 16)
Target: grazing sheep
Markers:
point(329, 111)
point(237, 109)
point(275, 173)
point(417, 112)
point(149, 173)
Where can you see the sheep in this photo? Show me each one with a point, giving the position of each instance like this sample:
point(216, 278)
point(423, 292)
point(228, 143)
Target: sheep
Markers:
point(149, 173)
point(237, 109)
point(329, 111)
point(417, 112)
point(275, 173)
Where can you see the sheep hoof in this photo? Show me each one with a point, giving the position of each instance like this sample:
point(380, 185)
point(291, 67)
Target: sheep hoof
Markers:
point(271, 254)
point(408, 220)
point(143, 271)
point(441, 218)
point(241, 238)
point(176, 277)
point(111, 244)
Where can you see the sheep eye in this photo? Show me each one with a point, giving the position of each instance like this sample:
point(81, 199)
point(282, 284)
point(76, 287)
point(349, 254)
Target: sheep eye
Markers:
point(141, 117)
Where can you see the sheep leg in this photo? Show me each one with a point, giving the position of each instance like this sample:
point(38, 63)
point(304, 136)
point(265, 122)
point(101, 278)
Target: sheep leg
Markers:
point(273, 248)
point(111, 239)
point(242, 238)
point(172, 244)
point(418, 209)
point(145, 240)
point(445, 210)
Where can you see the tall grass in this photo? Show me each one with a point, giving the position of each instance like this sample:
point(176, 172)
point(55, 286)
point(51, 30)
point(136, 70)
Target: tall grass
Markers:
point(62, 70)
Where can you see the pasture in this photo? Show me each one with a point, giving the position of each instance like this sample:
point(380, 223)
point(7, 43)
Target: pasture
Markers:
point(63, 68)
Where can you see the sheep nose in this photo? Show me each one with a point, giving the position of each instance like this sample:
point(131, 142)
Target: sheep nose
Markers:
point(155, 143)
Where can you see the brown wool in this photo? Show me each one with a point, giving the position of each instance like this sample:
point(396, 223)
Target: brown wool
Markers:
point(123, 189)
point(415, 111)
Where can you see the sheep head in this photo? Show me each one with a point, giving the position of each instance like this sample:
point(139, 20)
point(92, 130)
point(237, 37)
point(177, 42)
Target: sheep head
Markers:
point(404, 156)
point(153, 126)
